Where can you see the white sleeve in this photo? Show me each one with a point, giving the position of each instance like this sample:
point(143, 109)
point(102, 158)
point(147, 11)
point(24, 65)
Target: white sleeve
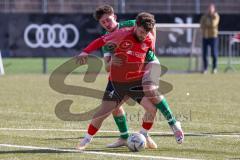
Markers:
point(106, 54)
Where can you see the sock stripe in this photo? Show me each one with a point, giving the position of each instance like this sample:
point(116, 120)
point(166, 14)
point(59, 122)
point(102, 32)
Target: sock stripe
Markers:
point(123, 133)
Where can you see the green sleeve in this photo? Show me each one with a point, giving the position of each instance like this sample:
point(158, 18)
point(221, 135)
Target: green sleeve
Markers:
point(128, 23)
point(150, 56)
point(105, 49)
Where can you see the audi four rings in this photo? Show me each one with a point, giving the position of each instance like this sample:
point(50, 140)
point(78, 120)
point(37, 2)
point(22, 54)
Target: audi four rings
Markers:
point(51, 39)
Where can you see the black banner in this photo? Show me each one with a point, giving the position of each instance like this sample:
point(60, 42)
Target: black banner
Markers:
point(46, 35)
point(56, 35)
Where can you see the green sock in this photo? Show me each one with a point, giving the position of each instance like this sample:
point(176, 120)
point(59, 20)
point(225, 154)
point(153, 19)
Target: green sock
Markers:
point(166, 111)
point(121, 122)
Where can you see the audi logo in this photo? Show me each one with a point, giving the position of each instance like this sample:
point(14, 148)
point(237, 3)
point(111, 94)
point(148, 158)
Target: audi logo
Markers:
point(55, 35)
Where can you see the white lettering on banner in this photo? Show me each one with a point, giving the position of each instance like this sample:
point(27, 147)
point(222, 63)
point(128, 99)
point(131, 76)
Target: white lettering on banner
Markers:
point(178, 50)
point(179, 31)
point(51, 40)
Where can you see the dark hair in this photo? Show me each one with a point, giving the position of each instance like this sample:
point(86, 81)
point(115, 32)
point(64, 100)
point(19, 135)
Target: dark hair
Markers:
point(146, 20)
point(101, 10)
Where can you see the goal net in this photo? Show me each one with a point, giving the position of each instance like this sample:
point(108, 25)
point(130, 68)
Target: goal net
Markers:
point(183, 43)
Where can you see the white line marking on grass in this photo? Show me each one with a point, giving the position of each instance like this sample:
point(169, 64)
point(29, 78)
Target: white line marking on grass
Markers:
point(93, 152)
point(105, 131)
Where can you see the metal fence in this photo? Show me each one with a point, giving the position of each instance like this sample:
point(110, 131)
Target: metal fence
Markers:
point(225, 46)
point(229, 50)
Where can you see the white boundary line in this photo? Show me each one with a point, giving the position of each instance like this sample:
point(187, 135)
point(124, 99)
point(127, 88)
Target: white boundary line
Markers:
point(105, 131)
point(93, 152)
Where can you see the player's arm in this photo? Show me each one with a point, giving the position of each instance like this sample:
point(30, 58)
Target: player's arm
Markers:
point(106, 57)
point(107, 63)
point(154, 33)
point(151, 57)
point(152, 69)
point(94, 45)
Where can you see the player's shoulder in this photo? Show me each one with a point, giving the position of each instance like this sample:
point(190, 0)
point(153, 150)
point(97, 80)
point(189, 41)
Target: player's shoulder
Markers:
point(150, 40)
point(128, 23)
point(123, 31)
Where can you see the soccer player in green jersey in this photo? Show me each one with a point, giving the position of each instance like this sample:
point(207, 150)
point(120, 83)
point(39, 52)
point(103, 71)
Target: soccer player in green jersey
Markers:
point(108, 20)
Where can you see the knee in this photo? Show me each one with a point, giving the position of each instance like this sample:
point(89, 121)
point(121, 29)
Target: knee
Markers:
point(156, 99)
point(152, 94)
point(118, 111)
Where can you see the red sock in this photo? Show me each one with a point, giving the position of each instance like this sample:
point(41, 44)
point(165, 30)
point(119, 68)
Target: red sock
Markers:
point(147, 125)
point(92, 130)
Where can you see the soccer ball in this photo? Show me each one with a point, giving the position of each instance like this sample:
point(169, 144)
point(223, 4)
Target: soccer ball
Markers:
point(136, 142)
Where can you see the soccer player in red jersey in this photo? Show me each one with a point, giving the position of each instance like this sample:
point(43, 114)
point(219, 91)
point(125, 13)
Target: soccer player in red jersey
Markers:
point(130, 45)
point(107, 19)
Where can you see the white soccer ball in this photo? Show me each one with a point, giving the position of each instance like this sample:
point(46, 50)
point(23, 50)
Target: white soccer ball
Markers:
point(136, 142)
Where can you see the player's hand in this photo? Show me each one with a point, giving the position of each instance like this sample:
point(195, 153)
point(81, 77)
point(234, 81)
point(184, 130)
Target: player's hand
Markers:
point(116, 61)
point(82, 58)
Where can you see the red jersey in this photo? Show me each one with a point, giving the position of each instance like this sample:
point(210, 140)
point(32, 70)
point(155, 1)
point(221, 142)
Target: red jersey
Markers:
point(124, 45)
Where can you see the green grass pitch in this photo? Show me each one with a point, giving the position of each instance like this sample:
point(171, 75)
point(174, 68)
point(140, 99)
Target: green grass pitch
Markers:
point(210, 117)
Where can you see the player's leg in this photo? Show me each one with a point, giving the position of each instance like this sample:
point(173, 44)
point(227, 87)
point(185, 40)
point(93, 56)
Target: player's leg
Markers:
point(150, 84)
point(150, 88)
point(175, 125)
point(120, 119)
point(110, 102)
point(121, 122)
point(105, 110)
point(147, 122)
point(137, 94)
point(119, 115)
point(161, 103)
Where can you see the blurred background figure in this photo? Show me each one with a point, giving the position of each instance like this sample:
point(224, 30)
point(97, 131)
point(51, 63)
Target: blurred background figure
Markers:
point(209, 26)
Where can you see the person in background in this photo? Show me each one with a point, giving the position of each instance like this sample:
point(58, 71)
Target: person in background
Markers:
point(209, 26)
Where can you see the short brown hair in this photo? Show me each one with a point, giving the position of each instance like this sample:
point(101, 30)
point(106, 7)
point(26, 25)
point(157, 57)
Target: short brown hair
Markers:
point(101, 10)
point(146, 20)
